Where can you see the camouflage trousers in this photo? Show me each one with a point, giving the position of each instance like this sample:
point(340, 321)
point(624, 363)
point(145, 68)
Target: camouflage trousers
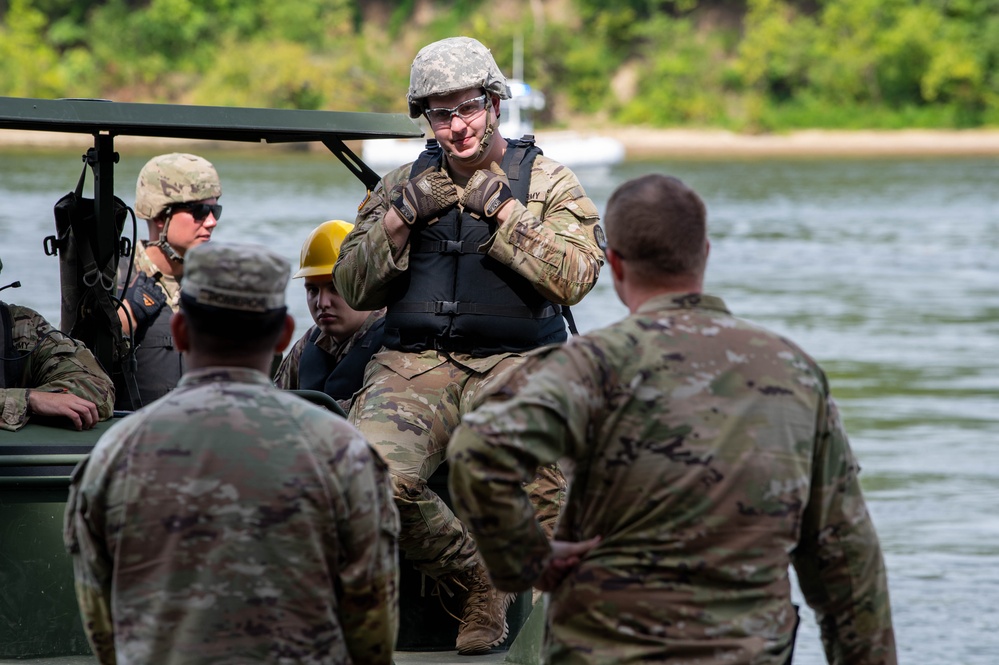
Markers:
point(409, 418)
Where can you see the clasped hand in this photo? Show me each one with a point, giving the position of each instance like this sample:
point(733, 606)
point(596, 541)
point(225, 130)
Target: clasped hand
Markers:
point(423, 199)
point(485, 194)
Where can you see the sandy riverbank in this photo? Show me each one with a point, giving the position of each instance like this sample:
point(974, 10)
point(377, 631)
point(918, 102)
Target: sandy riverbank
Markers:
point(646, 143)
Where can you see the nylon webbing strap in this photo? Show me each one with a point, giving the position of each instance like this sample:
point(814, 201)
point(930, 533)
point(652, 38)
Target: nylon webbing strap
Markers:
point(446, 247)
point(6, 343)
point(14, 362)
point(454, 308)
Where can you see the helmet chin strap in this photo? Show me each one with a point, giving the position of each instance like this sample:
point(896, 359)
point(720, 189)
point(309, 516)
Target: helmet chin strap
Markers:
point(487, 138)
point(162, 243)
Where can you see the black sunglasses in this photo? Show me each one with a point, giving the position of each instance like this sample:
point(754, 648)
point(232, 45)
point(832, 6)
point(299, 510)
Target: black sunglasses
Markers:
point(199, 211)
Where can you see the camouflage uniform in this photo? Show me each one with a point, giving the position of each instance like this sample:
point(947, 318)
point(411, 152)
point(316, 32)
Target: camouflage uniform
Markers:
point(411, 402)
point(56, 363)
point(286, 376)
point(231, 522)
point(709, 455)
point(164, 181)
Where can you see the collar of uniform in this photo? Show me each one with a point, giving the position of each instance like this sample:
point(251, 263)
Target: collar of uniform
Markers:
point(223, 374)
point(683, 301)
point(334, 348)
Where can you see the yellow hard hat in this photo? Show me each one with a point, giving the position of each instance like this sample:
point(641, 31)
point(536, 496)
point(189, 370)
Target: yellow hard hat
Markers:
point(322, 247)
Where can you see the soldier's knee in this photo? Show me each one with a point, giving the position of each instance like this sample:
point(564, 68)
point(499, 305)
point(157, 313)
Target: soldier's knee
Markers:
point(407, 489)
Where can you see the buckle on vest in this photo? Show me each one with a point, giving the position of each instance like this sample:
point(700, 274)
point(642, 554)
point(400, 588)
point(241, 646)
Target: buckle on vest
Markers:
point(451, 247)
point(445, 307)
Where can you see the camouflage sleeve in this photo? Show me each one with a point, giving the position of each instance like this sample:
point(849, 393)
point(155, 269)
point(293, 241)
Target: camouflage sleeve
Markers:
point(838, 560)
point(529, 421)
point(83, 527)
point(14, 402)
point(368, 577)
point(368, 260)
point(553, 241)
point(286, 377)
point(56, 362)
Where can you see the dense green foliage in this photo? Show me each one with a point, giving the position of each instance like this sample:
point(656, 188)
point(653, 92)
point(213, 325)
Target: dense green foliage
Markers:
point(753, 65)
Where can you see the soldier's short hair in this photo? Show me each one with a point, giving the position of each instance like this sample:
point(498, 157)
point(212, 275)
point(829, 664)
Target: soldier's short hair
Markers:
point(659, 225)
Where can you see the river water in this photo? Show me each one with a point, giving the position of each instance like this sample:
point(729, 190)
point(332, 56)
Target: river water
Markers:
point(885, 270)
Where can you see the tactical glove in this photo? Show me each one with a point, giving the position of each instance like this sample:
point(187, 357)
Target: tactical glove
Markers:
point(485, 193)
point(146, 300)
point(422, 200)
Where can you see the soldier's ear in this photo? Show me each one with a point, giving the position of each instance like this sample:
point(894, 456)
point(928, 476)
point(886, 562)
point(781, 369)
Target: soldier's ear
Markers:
point(614, 261)
point(286, 332)
point(179, 330)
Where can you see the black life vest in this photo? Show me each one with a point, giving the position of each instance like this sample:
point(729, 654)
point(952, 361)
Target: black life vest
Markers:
point(318, 370)
point(159, 365)
point(456, 298)
point(13, 364)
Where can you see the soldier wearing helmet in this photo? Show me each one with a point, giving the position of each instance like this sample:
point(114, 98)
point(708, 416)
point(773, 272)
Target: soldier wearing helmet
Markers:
point(46, 373)
point(332, 354)
point(177, 194)
point(474, 249)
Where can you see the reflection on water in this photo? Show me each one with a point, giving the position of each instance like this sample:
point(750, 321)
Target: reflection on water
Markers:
point(884, 270)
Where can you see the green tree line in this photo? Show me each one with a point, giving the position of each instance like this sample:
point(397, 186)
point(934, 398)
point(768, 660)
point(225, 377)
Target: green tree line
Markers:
point(746, 65)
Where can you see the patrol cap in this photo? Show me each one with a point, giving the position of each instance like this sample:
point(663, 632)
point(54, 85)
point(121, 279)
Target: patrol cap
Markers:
point(177, 177)
point(240, 277)
point(450, 65)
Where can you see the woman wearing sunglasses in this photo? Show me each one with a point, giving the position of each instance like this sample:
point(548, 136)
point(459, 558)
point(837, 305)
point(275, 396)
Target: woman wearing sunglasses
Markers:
point(177, 194)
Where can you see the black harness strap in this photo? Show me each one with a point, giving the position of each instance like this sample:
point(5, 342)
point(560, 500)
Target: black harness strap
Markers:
point(453, 308)
point(12, 369)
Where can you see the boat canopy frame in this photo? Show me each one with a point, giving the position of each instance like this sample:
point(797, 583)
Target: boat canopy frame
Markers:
point(106, 119)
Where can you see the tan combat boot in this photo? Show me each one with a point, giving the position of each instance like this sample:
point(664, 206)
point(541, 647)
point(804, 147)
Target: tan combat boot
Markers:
point(483, 613)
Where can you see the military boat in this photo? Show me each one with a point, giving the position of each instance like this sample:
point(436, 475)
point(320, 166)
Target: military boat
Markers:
point(39, 619)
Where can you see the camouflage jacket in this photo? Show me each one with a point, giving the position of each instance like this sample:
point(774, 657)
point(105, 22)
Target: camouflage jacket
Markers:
point(232, 522)
point(55, 362)
point(709, 455)
point(286, 376)
point(552, 241)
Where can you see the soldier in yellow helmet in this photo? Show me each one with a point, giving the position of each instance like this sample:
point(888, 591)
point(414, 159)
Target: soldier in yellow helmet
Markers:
point(332, 354)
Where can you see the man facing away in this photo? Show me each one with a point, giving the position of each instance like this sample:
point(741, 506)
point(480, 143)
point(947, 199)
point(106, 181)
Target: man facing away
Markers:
point(331, 356)
point(48, 374)
point(473, 248)
point(708, 455)
point(177, 194)
point(230, 521)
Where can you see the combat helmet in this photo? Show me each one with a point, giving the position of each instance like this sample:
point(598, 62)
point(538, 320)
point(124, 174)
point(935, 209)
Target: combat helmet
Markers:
point(449, 65)
point(176, 177)
point(321, 248)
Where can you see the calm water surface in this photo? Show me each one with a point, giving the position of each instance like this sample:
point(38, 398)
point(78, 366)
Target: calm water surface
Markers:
point(885, 270)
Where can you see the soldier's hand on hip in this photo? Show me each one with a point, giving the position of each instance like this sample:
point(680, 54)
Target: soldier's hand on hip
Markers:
point(425, 198)
point(485, 193)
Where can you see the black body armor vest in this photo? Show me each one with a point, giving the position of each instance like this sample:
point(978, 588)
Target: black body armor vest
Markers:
point(318, 370)
point(456, 298)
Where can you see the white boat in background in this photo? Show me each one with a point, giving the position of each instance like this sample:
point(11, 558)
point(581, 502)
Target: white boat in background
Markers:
point(577, 151)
